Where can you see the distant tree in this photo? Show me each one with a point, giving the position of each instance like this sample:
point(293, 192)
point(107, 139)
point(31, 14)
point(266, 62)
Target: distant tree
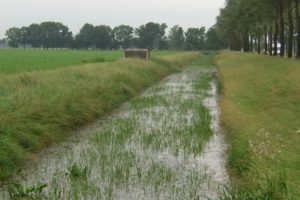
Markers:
point(102, 37)
point(13, 37)
point(122, 36)
point(24, 36)
point(176, 38)
point(2, 43)
point(202, 31)
point(151, 35)
point(35, 35)
point(212, 40)
point(195, 38)
point(54, 35)
point(84, 39)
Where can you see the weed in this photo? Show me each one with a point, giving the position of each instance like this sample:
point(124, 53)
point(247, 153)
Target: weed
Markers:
point(18, 191)
point(76, 171)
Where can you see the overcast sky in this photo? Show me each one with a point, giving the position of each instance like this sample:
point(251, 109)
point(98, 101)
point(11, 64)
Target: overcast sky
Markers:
point(74, 13)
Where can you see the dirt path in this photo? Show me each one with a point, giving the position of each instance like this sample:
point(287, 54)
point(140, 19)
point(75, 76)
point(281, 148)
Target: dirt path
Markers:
point(165, 144)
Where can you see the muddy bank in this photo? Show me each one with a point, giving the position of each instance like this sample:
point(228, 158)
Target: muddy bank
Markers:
point(165, 144)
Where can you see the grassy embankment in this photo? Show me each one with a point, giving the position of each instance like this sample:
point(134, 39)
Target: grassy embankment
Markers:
point(41, 107)
point(260, 113)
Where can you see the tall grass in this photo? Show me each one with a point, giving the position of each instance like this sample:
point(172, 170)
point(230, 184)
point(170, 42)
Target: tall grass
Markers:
point(260, 110)
point(39, 108)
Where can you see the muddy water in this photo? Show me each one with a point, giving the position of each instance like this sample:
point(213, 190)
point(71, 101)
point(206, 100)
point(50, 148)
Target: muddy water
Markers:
point(165, 144)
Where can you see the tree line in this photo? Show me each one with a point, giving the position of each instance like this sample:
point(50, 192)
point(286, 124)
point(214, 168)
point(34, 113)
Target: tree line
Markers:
point(50, 35)
point(269, 26)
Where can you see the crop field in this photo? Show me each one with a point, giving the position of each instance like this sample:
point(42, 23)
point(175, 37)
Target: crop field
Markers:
point(260, 112)
point(18, 60)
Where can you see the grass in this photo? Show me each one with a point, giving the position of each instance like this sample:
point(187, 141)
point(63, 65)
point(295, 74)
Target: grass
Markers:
point(17, 60)
point(41, 107)
point(18, 191)
point(150, 148)
point(206, 59)
point(260, 110)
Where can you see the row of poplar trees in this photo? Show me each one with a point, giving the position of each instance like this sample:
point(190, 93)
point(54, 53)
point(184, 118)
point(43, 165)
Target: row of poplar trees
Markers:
point(268, 26)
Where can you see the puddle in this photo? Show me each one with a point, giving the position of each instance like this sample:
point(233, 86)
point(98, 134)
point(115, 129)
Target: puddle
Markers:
point(165, 144)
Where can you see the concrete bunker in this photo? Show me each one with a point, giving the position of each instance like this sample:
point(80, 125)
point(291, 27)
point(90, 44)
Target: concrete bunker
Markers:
point(137, 53)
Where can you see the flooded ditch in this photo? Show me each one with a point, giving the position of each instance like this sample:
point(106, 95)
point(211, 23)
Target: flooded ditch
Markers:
point(164, 144)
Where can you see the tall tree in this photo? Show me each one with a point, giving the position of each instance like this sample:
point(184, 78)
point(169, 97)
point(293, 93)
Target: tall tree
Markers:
point(213, 40)
point(54, 35)
point(281, 25)
point(24, 36)
point(84, 39)
point(176, 38)
point(122, 36)
point(102, 37)
point(151, 35)
point(35, 35)
point(297, 27)
point(195, 38)
point(291, 29)
point(13, 37)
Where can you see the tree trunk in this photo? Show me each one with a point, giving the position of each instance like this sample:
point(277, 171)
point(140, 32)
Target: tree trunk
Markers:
point(246, 41)
point(251, 43)
point(276, 35)
point(298, 28)
point(235, 43)
point(291, 29)
point(271, 41)
point(265, 41)
point(259, 44)
point(281, 32)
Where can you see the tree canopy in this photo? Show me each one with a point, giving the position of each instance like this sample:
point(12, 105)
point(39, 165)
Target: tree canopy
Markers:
point(53, 35)
point(269, 26)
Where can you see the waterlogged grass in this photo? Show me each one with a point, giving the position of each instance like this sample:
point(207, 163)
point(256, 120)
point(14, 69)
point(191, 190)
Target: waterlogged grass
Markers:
point(42, 107)
point(150, 149)
point(260, 111)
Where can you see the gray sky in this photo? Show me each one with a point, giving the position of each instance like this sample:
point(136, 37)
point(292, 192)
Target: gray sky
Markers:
point(74, 13)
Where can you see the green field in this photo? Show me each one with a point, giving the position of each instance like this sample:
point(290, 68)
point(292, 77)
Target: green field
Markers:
point(41, 107)
point(18, 60)
point(260, 113)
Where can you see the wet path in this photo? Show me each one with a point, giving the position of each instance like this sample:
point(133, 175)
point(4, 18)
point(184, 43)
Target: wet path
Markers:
point(165, 144)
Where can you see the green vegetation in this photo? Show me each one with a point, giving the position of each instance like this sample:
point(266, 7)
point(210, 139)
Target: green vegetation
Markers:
point(260, 110)
point(269, 26)
point(15, 60)
point(18, 191)
point(76, 171)
point(149, 148)
point(41, 107)
point(206, 59)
